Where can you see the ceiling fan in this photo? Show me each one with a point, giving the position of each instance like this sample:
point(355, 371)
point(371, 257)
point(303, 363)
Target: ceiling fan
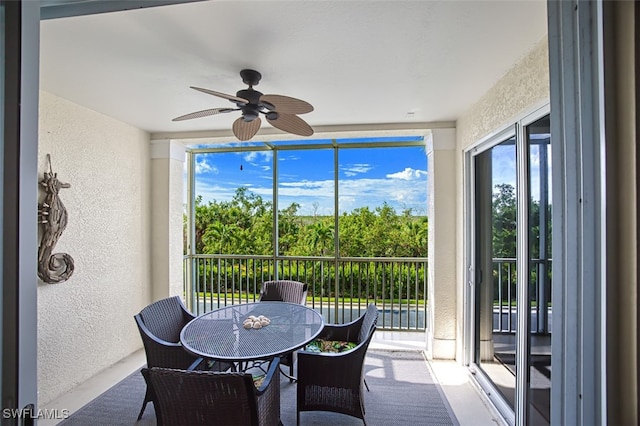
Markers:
point(280, 111)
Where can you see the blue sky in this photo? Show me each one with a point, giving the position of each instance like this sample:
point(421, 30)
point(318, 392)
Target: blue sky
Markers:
point(367, 177)
point(503, 160)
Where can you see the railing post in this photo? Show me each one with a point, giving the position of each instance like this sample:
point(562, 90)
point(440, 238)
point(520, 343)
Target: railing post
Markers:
point(336, 227)
point(188, 279)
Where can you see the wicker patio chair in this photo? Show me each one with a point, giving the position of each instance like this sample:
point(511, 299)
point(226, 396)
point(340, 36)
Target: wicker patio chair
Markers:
point(160, 324)
point(334, 381)
point(285, 291)
point(212, 398)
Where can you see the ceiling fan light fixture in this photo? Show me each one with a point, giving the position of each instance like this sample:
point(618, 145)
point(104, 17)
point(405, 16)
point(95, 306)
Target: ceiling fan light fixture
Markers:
point(245, 130)
point(249, 114)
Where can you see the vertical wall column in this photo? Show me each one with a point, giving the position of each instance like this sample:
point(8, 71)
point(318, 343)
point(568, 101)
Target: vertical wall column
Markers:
point(19, 62)
point(441, 321)
point(167, 172)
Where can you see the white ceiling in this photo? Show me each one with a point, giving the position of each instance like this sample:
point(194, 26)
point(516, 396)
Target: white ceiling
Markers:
point(357, 62)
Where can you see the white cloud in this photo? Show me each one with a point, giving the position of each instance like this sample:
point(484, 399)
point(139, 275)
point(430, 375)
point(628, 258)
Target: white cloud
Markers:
point(321, 189)
point(408, 174)
point(354, 169)
point(202, 166)
point(355, 193)
point(210, 191)
point(257, 156)
point(288, 158)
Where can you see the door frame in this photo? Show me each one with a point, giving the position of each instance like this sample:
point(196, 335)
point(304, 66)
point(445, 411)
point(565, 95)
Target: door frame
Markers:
point(18, 163)
point(514, 129)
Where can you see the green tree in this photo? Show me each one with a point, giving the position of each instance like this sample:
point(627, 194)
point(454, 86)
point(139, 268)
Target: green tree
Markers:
point(219, 237)
point(413, 238)
point(244, 225)
point(321, 237)
point(504, 221)
point(289, 225)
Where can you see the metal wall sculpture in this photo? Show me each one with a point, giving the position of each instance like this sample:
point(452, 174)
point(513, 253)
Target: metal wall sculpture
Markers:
point(52, 216)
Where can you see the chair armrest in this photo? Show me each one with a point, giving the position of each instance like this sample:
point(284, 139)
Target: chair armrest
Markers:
point(272, 371)
point(161, 353)
point(186, 315)
point(268, 396)
point(150, 336)
point(344, 332)
point(197, 364)
point(336, 332)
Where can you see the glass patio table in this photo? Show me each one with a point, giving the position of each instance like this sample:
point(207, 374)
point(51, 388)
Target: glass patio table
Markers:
point(221, 336)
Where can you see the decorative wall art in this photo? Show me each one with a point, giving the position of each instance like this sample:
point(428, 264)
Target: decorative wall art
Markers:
point(52, 216)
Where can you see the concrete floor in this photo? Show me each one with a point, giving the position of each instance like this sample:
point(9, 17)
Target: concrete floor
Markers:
point(469, 404)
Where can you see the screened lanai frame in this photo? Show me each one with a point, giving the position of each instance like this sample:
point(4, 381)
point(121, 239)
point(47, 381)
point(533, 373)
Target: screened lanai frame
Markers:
point(276, 147)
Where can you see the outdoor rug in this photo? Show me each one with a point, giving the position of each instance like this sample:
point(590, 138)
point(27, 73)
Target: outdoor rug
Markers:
point(403, 392)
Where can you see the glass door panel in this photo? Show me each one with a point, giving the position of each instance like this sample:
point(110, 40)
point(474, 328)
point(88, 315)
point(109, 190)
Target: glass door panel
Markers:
point(495, 248)
point(511, 232)
point(539, 143)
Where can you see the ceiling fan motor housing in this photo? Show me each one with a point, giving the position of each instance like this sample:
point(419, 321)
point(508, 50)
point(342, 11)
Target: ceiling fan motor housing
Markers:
point(250, 77)
point(250, 111)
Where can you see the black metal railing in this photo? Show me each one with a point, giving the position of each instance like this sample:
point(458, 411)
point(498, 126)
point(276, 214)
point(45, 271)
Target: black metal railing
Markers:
point(504, 295)
point(340, 289)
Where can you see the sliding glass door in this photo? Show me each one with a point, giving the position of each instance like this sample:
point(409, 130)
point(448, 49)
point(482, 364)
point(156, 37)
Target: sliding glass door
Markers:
point(510, 262)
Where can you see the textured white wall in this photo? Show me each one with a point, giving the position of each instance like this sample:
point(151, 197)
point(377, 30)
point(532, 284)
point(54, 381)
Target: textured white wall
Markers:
point(176, 242)
point(524, 88)
point(441, 329)
point(86, 323)
point(167, 175)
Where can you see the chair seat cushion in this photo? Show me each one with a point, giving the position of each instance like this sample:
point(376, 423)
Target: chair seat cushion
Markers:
point(321, 345)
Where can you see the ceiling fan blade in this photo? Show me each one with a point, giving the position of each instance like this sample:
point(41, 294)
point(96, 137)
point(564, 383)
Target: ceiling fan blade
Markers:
point(287, 104)
point(222, 95)
point(204, 113)
point(291, 124)
point(245, 130)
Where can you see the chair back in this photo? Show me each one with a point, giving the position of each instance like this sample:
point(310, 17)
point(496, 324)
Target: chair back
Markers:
point(165, 318)
point(334, 381)
point(202, 397)
point(369, 323)
point(284, 291)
